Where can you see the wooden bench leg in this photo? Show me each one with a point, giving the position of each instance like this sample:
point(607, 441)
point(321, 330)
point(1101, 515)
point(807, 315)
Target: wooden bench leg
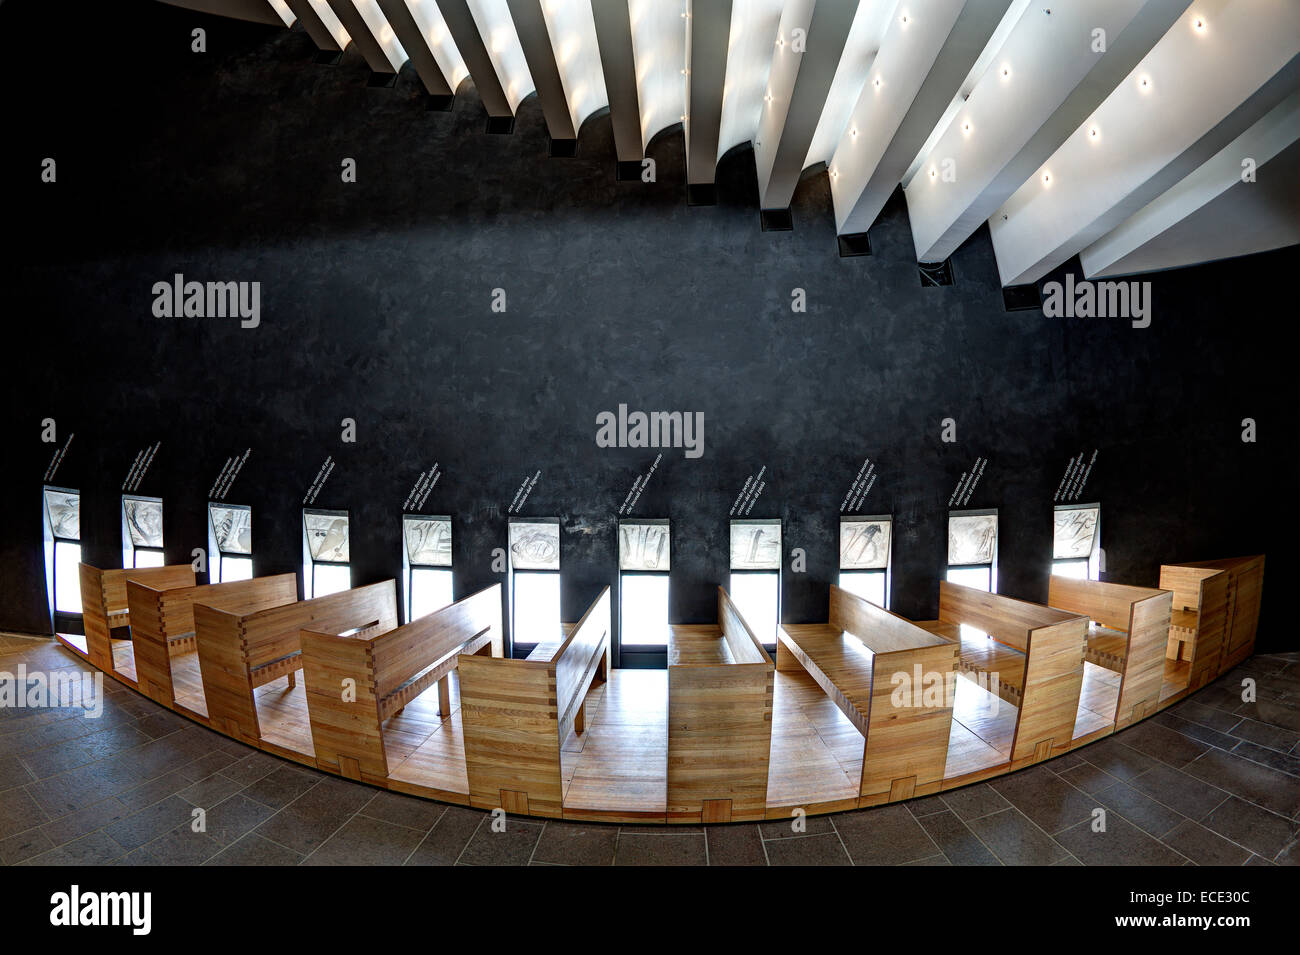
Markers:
point(293, 679)
point(444, 696)
point(580, 718)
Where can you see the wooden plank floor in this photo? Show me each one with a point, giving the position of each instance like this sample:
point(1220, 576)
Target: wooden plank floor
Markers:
point(816, 752)
point(124, 659)
point(983, 726)
point(1097, 701)
point(620, 768)
point(426, 750)
point(187, 683)
point(1178, 673)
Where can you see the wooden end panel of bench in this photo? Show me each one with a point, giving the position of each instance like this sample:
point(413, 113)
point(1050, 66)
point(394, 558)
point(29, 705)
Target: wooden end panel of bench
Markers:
point(719, 739)
point(1053, 683)
point(227, 682)
point(1211, 630)
point(511, 726)
point(342, 704)
point(153, 667)
point(94, 616)
point(1144, 664)
point(909, 723)
point(1246, 590)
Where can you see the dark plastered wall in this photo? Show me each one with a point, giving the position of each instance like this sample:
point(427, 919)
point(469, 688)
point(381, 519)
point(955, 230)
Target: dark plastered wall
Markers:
point(376, 303)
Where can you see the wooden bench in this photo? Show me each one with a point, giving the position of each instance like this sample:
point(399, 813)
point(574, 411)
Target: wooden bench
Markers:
point(104, 607)
point(1244, 592)
point(238, 652)
point(162, 621)
point(355, 684)
point(892, 679)
point(1036, 653)
point(516, 714)
point(719, 720)
point(1197, 625)
point(1130, 626)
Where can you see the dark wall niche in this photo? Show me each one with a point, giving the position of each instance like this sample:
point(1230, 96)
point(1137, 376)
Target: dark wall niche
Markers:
point(375, 305)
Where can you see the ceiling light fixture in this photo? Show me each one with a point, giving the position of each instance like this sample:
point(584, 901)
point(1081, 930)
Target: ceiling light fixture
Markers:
point(1198, 23)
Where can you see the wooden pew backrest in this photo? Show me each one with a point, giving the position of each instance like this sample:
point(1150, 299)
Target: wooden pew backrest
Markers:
point(583, 652)
point(1185, 582)
point(1107, 603)
point(159, 617)
point(1005, 619)
point(741, 642)
point(881, 630)
point(239, 652)
point(386, 672)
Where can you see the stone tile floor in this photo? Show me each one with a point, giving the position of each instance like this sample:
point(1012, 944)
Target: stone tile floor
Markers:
point(1211, 781)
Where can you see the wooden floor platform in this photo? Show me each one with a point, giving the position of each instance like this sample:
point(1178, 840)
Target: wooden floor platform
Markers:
point(616, 769)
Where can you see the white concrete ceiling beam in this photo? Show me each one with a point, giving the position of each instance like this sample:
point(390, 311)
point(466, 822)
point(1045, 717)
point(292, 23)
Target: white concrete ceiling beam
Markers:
point(320, 23)
point(539, 52)
point(423, 34)
point(1245, 199)
point(709, 32)
point(1215, 73)
point(921, 65)
point(1048, 75)
point(617, 61)
point(750, 48)
point(810, 40)
point(369, 29)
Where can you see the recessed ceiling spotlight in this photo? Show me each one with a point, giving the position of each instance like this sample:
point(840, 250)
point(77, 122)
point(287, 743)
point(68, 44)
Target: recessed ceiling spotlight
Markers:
point(1093, 134)
point(767, 98)
point(1047, 179)
point(965, 127)
point(932, 172)
point(1144, 83)
point(835, 174)
point(1198, 24)
point(854, 132)
point(904, 20)
point(1006, 71)
point(877, 82)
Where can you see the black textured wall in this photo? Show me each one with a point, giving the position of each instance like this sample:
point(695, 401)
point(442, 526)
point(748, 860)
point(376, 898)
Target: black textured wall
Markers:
point(376, 306)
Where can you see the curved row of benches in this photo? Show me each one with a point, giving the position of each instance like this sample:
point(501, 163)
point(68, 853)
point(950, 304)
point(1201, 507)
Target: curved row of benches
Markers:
point(992, 685)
